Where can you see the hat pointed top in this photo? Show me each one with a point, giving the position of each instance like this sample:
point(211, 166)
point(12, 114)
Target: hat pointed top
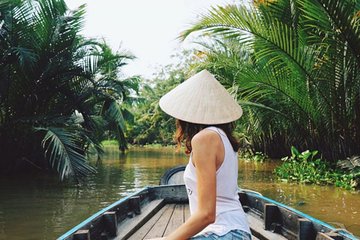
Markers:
point(201, 99)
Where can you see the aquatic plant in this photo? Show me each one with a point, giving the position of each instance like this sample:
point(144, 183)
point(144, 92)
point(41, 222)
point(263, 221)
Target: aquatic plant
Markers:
point(309, 167)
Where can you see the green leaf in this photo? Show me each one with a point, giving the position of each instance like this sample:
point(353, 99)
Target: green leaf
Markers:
point(64, 153)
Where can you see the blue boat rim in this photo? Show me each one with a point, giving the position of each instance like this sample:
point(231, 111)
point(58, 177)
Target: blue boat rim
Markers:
point(88, 220)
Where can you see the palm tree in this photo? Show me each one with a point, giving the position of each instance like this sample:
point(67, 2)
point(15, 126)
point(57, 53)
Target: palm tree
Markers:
point(304, 84)
point(115, 94)
point(52, 88)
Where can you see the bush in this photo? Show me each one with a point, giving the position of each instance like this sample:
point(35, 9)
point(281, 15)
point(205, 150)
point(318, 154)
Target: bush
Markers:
point(308, 167)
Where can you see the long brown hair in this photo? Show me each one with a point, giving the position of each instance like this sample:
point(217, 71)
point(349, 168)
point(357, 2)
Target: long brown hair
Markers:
point(186, 131)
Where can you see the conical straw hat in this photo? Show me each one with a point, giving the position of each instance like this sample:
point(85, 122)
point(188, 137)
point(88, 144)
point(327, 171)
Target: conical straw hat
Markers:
point(201, 99)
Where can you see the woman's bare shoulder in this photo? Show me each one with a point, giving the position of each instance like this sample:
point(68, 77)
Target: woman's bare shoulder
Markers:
point(206, 137)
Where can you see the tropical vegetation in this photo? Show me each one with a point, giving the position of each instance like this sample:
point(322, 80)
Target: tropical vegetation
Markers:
point(150, 124)
point(60, 93)
point(293, 65)
point(308, 167)
point(297, 75)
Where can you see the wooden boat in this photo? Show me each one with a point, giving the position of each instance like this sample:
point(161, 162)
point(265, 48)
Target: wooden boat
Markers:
point(156, 211)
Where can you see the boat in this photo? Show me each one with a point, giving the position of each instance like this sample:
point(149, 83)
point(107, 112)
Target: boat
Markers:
point(155, 211)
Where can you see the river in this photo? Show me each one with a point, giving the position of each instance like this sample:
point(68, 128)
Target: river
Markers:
point(33, 207)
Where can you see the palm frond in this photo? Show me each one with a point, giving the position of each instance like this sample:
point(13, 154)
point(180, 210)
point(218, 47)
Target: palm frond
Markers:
point(65, 156)
point(114, 113)
point(342, 14)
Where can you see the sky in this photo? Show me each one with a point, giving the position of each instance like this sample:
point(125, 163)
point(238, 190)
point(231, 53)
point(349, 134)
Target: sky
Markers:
point(146, 28)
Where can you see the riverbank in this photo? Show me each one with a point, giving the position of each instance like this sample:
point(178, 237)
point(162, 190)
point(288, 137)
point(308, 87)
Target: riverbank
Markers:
point(114, 143)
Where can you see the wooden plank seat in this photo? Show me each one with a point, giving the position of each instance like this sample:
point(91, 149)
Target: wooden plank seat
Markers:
point(163, 222)
point(130, 225)
point(172, 216)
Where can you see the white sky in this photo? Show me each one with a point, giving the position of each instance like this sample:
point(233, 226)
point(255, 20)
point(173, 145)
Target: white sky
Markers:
point(146, 28)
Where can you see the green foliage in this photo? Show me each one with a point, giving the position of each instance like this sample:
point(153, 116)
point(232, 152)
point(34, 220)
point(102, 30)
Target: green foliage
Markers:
point(305, 167)
point(308, 167)
point(151, 125)
point(54, 81)
point(64, 153)
point(298, 80)
point(345, 180)
point(351, 164)
point(256, 157)
point(110, 143)
point(348, 172)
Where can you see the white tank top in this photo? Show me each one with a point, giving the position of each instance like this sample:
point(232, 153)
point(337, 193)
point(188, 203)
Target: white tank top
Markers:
point(229, 212)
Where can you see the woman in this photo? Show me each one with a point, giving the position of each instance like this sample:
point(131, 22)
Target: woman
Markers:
point(205, 113)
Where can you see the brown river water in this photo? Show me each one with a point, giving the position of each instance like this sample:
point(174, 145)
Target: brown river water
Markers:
point(42, 208)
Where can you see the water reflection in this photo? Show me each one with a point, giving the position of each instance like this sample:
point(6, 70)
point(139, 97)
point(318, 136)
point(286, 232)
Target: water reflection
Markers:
point(41, 208)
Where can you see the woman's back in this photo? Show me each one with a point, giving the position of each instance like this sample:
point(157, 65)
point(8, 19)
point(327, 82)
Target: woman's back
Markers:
point(229, 212)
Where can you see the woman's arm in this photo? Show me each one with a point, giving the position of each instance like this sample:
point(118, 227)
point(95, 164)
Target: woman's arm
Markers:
point(205, 150)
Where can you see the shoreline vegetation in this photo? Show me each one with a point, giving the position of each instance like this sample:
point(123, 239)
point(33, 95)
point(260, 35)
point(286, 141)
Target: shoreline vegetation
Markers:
point(305, 168)
point(294, 67)
point(115, 143)
point(308, 167)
